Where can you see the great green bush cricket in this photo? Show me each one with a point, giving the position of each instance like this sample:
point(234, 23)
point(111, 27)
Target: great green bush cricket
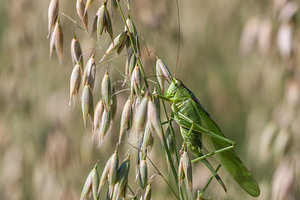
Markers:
point(200, 132)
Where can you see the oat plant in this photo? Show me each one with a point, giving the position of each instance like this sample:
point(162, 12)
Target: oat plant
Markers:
point(142, 119)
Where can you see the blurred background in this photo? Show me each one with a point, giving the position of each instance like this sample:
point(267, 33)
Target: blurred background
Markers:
point(240, 58)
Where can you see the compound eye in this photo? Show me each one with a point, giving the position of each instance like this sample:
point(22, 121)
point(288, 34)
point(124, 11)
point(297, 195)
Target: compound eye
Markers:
point(177, 83)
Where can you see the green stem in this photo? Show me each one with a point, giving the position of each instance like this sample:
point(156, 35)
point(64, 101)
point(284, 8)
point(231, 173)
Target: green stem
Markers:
point(164, 105)
point(147, 86)
point(172, 130)
point(134, 195)
point(133, 45)
point(172, 165)
point(159, 172)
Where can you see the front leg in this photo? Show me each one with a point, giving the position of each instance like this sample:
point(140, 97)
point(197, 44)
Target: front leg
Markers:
point(163, 97)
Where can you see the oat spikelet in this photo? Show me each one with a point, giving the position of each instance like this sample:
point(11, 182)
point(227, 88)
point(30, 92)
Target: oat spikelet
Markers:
point(147, 138)
point(87, 104)
point(104, 126)
point(140, 115)
point(108, 24)
point(104, 176)
point(75, 82)
point(90, 72)
point(130, 64)
point(143, 173)
point(187, 167)
point(52, 15)
point(58, 40)
point(88, 4)
point(98, 114)
point(100, 20)
point(153, 117)
point(95, 183)
point(147, 195)
point(91, 184)
point(126, 119)
point(52, 44)
point(106, 90)
point(181, 173)
point(80, 7)
point(136, 80)
point(121, 185)
point(76, 52)
point(162, 73)
point(113, 102)
point(113, 170)
point(116, 45)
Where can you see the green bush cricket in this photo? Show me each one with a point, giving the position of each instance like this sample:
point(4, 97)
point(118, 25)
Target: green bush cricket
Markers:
point(200, 132)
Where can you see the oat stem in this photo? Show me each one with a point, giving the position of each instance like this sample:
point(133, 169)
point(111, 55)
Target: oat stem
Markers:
point(73, 21)
point(133, 45)
point(172, 132)
point(146, 83)
point(134, 195)
point(159, 172)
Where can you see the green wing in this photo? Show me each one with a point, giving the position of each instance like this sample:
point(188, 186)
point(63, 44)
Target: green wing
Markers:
point(229, 159)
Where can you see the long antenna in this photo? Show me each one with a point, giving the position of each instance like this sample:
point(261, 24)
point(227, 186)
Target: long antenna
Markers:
point(178, 45)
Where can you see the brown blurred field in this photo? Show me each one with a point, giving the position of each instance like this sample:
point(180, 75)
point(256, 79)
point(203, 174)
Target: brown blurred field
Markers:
point(252, 92)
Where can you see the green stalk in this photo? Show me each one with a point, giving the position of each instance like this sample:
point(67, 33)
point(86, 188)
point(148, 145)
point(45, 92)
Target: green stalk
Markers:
point(147, 86)
point(159, 172)
point(172, 165)
point(133, 46)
